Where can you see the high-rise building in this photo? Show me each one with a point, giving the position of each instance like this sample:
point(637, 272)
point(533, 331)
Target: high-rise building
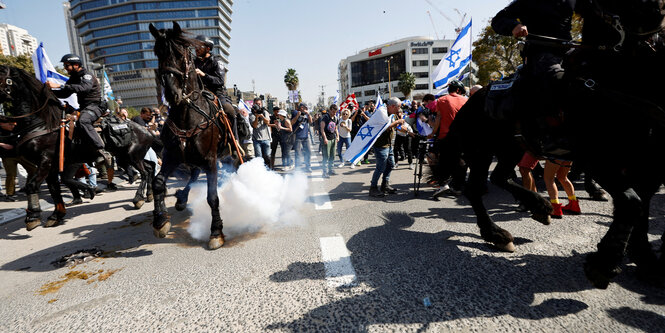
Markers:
point(16, 41)
point(114, 33)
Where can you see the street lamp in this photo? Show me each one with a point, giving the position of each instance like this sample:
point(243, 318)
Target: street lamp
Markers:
point(389, 90)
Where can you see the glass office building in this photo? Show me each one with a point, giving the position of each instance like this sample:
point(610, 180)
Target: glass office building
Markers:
point(115, 33)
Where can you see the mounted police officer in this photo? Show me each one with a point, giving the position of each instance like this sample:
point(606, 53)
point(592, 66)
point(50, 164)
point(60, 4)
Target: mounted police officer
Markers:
point(212, 72)
point(89, 94)
point(545, 24)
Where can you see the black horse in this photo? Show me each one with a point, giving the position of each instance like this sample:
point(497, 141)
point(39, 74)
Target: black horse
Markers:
point(617, 131)
point(38, 114)
point(192, 130)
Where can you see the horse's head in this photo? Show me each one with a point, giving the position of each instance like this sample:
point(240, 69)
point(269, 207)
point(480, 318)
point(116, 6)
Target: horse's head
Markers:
point(8, 88)
point(176, 66)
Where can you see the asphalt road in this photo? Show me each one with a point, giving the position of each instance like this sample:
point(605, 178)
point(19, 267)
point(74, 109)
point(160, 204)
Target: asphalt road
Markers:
point(353, 263)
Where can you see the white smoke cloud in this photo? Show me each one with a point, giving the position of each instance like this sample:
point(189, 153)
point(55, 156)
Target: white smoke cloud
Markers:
point(253, 199)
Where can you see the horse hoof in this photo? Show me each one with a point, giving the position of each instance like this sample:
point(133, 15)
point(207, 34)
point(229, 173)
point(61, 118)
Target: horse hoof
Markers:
point(510, 247)
point(599, 196)
point(150, 198)
point(139, 204)
point(215, 242)
point(161, 232)
point(545, 219)
point(179, 206)
point(52, 221)
point(32, 224)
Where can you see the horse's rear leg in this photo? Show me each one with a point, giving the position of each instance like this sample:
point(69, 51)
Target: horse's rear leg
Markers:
point(160, 222)
point(216, 236)
point(182, 196)
point(476, 186)
point(639, 249)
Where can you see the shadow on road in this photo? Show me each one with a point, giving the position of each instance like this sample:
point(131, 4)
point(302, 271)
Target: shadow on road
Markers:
point(403, 267)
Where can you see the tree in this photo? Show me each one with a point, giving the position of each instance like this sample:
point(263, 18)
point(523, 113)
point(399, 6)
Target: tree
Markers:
point(407, 81)
point(291, 79)
point(495, 53)
point(23, 62)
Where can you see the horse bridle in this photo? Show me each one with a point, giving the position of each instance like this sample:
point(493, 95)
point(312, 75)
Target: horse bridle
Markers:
point(7, 83)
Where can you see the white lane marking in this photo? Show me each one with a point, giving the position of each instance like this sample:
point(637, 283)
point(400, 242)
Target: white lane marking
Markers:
point(19, 213)
point(321, 200)
point(316, 173)
point(337, 262)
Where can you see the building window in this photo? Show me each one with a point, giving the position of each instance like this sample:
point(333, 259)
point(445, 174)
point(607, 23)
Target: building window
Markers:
point(422, 86)
point(419, 50)
point(416, 63)
point(435, 62)
point(370, 92)
point(375, 70)
point(421, 74)
point(439, 50)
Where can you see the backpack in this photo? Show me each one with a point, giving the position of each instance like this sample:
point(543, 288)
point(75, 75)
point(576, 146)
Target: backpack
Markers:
point(116, 132)
point(501, 98)
point(242, 126)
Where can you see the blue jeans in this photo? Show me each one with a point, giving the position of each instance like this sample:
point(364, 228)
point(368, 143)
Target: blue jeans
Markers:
point(302, 148)
point(286, 145)
point(385, 162)
point(343, 141)
point(262, 149)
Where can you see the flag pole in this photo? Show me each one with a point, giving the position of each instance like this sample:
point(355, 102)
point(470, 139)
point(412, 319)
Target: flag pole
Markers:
point(470, 50)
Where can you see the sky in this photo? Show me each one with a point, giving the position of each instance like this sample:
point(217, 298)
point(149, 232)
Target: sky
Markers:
point(270, 36)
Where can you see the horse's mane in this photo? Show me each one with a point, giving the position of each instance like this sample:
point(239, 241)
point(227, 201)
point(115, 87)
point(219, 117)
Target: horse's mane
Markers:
point(173, 45)
point(39, 96)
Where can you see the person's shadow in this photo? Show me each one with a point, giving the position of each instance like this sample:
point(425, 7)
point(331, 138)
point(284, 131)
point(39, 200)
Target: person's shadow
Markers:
point(407, 270)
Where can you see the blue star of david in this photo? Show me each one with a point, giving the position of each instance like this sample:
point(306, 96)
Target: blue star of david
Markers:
point(365, 135)
point(451, 55)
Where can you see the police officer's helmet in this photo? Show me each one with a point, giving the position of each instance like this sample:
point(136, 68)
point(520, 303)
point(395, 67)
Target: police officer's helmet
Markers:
point(205, 40)
point(71, 58)
point(456, 85)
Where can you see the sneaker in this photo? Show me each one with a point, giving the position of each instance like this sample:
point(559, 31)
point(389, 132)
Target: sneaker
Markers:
point(307, 169)
point(353, 165)
point(572, 208)
point(441, 191)
point(341, 165)
point(332, 173)
point(410, 166)
point(365, 161)
point(557, 213)
point(325, 175)
point(396, 165)
point(375, 192)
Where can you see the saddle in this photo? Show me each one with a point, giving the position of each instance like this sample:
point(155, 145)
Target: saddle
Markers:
point(502, 96)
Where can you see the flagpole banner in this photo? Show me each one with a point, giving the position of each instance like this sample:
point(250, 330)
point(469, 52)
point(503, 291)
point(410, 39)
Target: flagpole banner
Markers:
point(108, 92)
point(351, 99)
point(457, 58)
point(44, 71)
point(368, 133)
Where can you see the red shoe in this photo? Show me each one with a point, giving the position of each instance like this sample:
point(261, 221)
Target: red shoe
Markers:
point(572, 208)
point(556, 211)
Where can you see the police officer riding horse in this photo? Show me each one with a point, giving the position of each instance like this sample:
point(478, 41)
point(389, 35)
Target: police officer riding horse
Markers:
point(89, 94)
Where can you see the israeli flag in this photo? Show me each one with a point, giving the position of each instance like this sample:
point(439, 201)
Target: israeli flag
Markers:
point(457, 58)
point(108, 92)
point(368, 133)
point(245, 110)
point(44, 71)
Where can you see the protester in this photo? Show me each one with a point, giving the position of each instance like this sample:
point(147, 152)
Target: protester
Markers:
point(559, 169)
point(260, 119)
point(383, 151)
point(275, 136)
point(300, 122)
point(328, 129)
point(344, 129)
point(358, 119)
point(403, 141)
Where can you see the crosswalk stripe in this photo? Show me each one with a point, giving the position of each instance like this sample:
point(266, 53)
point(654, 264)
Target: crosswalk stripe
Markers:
point(337, 262)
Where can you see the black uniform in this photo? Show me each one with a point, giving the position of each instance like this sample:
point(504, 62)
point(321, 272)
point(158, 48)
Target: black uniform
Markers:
point(214, 81)
point(89, 94)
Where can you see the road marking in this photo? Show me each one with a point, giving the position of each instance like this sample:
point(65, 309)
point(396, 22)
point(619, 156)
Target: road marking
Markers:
point(19, 213)
point(321, 200)
point(337, 262)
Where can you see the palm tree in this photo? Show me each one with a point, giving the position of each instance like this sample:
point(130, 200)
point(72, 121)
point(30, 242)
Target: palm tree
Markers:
point(291, 79)
point(407, 81)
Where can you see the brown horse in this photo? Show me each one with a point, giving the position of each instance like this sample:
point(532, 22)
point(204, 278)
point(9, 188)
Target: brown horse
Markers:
point(192, 130)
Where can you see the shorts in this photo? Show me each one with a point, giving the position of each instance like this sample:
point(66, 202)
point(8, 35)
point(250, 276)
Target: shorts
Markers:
point(528, 161)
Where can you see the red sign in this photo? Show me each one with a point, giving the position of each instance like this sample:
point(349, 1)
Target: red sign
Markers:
point(375, 52)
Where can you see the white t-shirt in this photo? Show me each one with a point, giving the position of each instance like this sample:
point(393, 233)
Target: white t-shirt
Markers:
point(343, 132)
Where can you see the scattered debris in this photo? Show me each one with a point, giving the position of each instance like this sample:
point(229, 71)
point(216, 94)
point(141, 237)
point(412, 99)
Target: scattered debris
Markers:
point(78, 257)
point(426, 302)
point(53, 300)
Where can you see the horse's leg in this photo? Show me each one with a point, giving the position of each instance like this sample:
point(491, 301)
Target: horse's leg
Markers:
point(601, 266)
point(139, 199)
point(489, 231)
point(150, 175)
point(182, 196)
point(501, 176)
point(160, 222)
point(216, 236)
point(33, 214)
point(58, 215)
point(639, 249)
